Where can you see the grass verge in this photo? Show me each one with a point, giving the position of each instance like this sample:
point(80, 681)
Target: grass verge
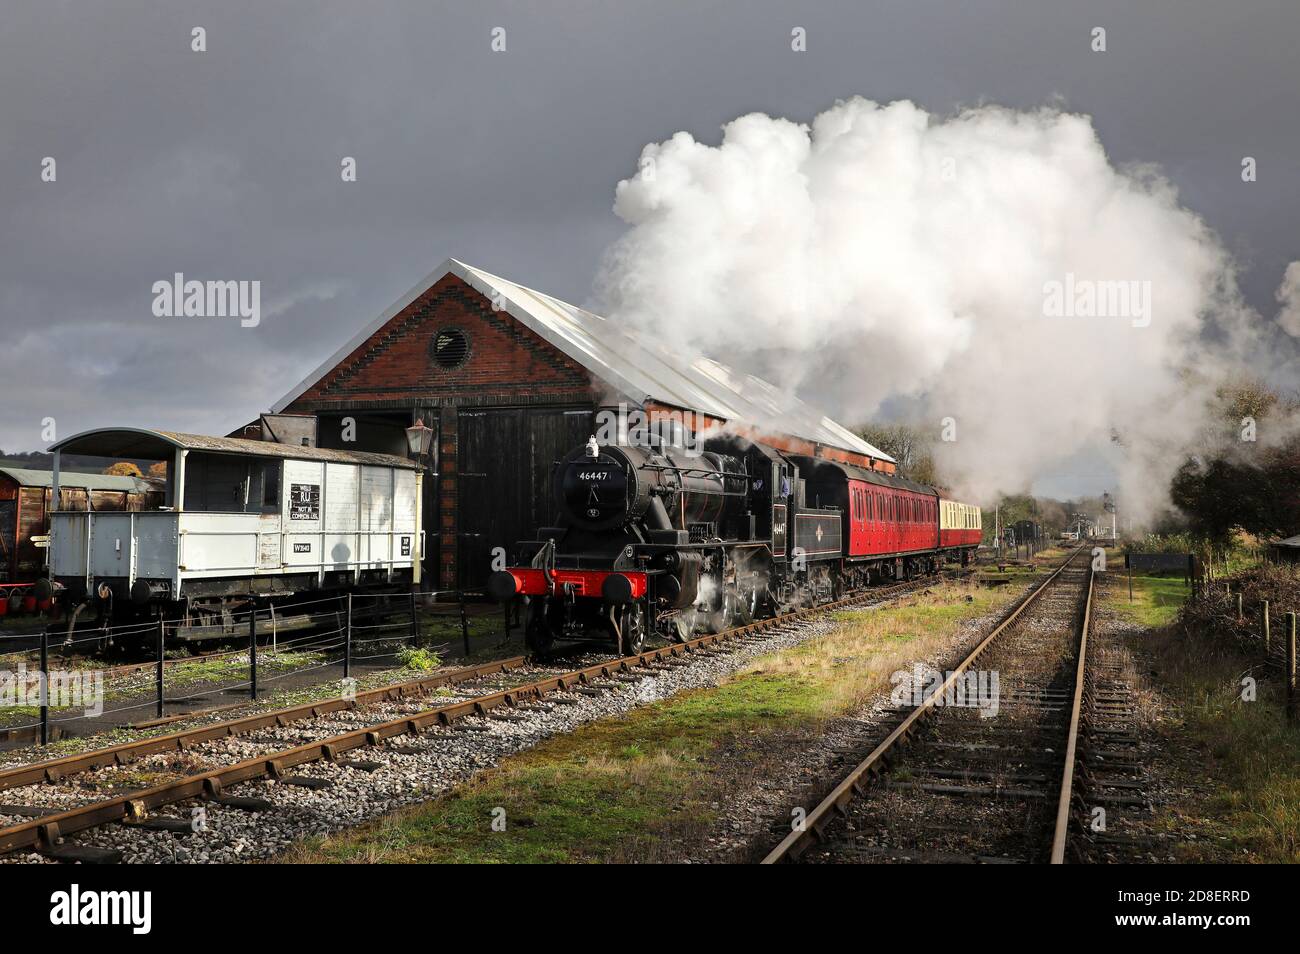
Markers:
point(652, 783)
point(1236, 761)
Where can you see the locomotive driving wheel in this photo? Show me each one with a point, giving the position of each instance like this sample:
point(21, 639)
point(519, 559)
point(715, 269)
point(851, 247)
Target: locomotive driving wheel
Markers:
point(631, 622)
point(544, 621)
point(740, 606)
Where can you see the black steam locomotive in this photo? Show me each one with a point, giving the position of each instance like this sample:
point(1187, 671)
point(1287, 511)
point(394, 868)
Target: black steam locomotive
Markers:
point(662, 538)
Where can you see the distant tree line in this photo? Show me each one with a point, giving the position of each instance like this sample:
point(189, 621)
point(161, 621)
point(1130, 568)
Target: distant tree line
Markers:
point(910, 449)
point(1248, 476)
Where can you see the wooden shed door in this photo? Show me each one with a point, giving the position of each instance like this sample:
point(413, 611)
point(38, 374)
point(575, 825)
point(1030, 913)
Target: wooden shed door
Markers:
point(505, 461)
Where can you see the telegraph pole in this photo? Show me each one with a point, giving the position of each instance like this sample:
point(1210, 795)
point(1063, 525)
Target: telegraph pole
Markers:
point(1108, 505)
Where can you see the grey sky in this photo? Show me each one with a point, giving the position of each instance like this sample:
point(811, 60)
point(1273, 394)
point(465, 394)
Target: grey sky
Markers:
point(225, 164)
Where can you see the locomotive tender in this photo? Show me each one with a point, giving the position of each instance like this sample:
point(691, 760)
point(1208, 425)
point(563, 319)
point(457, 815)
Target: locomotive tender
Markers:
point(653, 538)
point(240, 520)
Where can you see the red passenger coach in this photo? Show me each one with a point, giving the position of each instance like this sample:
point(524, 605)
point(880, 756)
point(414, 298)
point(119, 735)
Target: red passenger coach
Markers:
point(888, 519)
point(891, 524)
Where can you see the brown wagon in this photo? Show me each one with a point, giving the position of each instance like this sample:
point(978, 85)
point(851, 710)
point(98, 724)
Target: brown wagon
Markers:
point(25, 501)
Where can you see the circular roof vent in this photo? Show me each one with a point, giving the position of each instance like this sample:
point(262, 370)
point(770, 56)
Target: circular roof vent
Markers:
point(450, 348)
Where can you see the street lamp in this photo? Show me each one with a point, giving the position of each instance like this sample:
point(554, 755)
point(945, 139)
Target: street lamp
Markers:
point(419, 439)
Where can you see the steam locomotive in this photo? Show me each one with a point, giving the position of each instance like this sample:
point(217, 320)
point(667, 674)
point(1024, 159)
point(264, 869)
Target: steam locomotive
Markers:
point(664, 538)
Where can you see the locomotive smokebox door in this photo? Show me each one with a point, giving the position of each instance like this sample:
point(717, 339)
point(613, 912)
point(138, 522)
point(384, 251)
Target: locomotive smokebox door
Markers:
point(595, 491)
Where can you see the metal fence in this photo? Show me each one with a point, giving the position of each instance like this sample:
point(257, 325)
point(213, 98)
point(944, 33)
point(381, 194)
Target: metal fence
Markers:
point(346, 632)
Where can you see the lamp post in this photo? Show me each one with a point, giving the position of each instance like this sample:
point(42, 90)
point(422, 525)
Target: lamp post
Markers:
point(419, 440)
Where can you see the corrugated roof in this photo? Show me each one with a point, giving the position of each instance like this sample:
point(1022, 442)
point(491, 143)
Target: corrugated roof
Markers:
point(640, 369)
point(73, 479)
point(132, 442)
point(867, 476)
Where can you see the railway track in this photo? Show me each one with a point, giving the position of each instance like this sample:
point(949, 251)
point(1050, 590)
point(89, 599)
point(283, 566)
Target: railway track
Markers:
point(397, 720)
point(991, 762)
point(1113, 805)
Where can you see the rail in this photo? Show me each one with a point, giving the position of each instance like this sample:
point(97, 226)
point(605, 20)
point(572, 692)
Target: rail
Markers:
point(1062, 830)
point(815, 822)
point(45, 832)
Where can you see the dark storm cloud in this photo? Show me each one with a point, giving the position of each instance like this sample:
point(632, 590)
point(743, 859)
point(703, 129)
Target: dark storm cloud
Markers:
point(225, 164)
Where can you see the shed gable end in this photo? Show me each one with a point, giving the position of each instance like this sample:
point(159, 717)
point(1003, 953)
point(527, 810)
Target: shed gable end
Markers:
point(484, 351)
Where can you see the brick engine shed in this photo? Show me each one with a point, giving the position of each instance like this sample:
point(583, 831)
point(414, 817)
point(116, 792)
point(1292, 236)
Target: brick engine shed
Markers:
point(510, 379)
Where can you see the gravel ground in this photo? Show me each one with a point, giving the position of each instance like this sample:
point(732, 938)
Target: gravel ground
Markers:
point(1161, 761)
point(765, 781)
point(451, 755)
point(792, 770)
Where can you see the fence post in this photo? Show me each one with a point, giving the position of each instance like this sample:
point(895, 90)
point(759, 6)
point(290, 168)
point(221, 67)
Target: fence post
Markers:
point(158, 671)
point(415, 623)
point(252, 649)
point(464, 621)
point(1292, 699)
point(1130, 582)
point(347, 642)
point(45, 686)
point(1241, 616)
point(1266, 634)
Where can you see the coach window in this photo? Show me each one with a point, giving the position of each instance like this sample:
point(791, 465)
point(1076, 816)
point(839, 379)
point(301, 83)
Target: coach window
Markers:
point(271, 486)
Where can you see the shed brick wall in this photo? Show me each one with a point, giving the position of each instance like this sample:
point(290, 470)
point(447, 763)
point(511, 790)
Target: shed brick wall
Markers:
point(508, 363)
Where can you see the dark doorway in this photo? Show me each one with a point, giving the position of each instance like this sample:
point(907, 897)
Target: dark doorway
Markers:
point(506, 459)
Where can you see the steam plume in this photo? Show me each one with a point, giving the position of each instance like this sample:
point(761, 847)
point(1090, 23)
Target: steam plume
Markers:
point(887, 258)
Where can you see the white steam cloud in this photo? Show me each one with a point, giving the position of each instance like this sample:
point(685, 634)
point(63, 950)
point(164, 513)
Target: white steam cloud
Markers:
point(993, 267)
point(1288, 296)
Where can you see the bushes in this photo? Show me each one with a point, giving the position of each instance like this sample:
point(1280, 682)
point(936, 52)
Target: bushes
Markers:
point(1214, 612)
point(423, 660)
